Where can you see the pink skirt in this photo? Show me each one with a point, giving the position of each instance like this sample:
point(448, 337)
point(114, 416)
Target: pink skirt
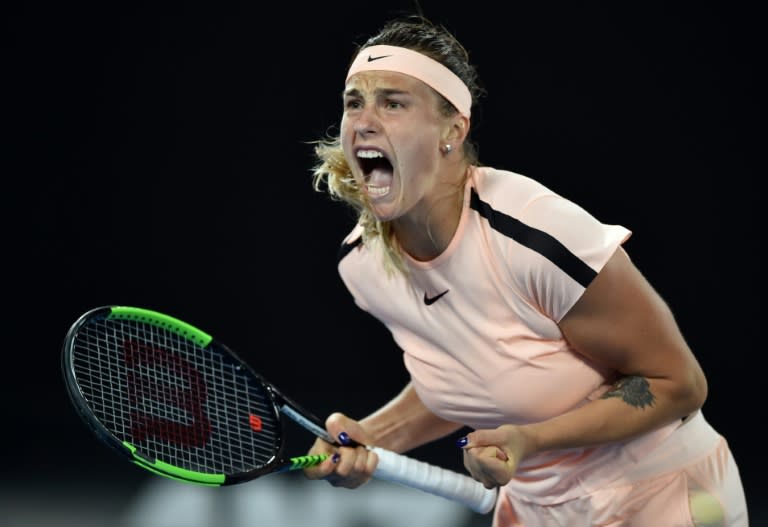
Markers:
point(690, 480)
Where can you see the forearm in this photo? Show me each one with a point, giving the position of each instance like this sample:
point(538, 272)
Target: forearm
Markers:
point(621, 323)
point(405, 423)
point(633, 406)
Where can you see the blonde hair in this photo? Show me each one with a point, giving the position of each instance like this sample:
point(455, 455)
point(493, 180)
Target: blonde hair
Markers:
point(334, 172)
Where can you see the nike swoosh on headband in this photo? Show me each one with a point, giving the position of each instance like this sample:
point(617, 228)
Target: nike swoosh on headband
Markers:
point(417, 65)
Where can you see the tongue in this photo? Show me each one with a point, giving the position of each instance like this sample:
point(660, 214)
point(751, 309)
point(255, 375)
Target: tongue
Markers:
point(380, 177)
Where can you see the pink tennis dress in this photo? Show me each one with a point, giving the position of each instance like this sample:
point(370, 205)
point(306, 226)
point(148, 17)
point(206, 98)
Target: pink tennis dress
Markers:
point(479, 334)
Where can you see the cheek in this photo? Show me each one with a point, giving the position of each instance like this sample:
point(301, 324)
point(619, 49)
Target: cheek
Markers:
point(417, 152)
point(344, 133)
point(344, 121)
point(346, 142)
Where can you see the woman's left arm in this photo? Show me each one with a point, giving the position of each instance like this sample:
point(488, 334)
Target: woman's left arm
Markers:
point(622, 323)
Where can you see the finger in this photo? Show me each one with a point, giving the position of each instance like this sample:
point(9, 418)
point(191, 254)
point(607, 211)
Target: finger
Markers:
point(367, 464)
point(336, 423)
point(486, 466)
point(478, 472)
point(346, 431)
point(491, 451)
point(481, 438)
point(353, 468)
point(499, 454)
point(353, 461)
point(321, 470)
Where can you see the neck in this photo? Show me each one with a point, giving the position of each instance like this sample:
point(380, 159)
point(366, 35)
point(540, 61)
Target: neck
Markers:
point(426, 236)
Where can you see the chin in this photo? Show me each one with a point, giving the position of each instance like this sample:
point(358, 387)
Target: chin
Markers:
point(383, 213)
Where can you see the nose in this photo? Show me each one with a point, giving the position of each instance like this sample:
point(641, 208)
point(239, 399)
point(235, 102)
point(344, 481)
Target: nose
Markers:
point(367, 121)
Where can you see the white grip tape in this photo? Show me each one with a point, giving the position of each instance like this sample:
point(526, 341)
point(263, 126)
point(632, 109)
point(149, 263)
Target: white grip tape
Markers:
point(434, 480)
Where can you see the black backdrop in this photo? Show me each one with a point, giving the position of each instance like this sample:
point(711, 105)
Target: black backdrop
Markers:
point(160, 158)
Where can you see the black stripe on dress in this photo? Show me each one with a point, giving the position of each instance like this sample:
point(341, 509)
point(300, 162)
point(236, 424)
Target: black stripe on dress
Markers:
point(346, 248)
point(536, 240)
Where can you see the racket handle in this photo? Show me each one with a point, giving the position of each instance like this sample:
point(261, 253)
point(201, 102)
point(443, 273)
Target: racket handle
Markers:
point(434, 480)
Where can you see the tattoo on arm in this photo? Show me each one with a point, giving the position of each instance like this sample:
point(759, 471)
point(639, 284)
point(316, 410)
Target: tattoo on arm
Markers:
point(634, 390)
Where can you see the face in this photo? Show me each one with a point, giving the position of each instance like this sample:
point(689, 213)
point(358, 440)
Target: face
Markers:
point(391, 133)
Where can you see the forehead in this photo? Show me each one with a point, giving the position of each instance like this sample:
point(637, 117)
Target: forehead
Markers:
point(370, 82)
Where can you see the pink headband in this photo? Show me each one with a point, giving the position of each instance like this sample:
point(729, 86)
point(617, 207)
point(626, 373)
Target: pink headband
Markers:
point(413, 63)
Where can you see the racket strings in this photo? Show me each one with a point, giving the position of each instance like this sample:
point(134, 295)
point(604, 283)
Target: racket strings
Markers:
point(192, 407)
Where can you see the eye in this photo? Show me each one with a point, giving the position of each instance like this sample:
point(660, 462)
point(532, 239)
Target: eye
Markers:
point(394, 105)
point(352, 104)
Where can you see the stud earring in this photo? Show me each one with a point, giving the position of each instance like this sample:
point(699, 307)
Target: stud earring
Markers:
point(447, 148)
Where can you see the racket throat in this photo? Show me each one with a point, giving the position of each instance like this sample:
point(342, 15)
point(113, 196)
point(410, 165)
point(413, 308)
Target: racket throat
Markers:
point(305, 422)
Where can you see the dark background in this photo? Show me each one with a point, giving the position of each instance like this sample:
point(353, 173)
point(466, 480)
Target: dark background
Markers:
point(159, 157)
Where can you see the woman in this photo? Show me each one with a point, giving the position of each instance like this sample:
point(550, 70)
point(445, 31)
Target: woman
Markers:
point(519, 314)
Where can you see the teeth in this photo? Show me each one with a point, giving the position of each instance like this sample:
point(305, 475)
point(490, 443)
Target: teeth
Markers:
point(369, 154)
point(377, 191)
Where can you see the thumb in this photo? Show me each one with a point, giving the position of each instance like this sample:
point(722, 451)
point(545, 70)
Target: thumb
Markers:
point(345, 430)
point(481, 438)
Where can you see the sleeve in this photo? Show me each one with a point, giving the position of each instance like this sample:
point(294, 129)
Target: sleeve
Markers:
point(348, 265)
point(562, 250)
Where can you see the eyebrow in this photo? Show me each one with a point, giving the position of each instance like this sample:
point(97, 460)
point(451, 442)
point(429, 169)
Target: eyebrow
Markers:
point(354, 92)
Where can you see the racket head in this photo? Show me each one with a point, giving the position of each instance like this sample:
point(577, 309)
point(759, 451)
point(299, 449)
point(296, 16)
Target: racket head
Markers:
point(171, 398)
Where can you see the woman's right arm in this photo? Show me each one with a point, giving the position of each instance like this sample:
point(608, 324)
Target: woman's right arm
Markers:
point(402, 424)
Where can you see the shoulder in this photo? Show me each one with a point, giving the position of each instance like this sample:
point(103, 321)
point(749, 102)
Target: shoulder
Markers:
point(512, 203)
point(532, 225)
point(505, 190)
point(506, 196)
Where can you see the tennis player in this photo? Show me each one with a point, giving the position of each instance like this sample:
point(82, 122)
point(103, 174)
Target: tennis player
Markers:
point(519, 315)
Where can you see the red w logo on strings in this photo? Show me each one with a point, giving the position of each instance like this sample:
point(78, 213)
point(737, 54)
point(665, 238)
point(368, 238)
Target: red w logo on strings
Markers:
point(150, 393)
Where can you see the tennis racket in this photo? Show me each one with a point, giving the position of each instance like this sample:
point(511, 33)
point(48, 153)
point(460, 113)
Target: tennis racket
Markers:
point(175, 401)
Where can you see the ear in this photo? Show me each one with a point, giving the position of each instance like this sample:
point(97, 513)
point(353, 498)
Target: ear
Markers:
point(457, 130)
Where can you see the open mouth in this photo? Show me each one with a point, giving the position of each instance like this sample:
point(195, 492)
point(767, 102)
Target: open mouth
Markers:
point(377, 172)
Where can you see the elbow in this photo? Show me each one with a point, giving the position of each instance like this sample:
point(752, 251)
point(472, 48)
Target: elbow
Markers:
point(693, 392)
point(701, 390)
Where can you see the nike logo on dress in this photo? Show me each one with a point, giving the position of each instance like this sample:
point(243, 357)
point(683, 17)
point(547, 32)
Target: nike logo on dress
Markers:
point(429, 301)
point(371, 59)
